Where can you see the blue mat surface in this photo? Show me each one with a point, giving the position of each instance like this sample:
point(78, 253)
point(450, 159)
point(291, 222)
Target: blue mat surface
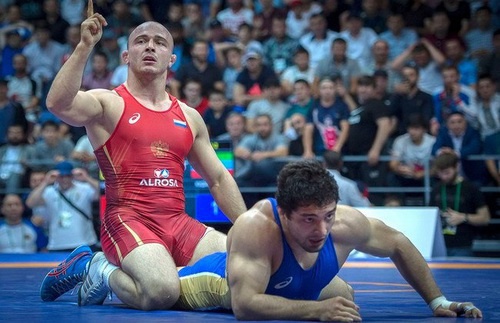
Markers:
point(381, 292)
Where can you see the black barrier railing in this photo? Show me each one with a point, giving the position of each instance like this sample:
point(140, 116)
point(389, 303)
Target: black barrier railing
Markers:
point(425, 188)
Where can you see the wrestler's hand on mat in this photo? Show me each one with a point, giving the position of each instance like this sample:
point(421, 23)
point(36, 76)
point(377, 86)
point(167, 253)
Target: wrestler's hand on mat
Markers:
point(339, 309)
point(466, 309)
point(91, 29)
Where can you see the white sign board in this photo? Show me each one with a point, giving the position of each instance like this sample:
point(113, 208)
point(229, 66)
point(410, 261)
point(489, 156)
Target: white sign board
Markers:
point(422, 225)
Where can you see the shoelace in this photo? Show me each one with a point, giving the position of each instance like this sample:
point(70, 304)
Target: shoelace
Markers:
point(76, 288)
point(95, 292)
point(68, 283)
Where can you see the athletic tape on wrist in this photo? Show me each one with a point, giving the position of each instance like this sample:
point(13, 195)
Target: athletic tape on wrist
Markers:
point(439, 301)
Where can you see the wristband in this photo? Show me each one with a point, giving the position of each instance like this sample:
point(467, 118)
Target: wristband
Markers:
point(439, 301)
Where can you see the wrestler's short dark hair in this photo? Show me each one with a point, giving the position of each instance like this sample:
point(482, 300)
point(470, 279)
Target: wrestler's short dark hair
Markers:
point(305, 183)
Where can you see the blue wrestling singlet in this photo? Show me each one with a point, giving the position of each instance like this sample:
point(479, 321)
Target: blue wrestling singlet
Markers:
point(290, 280)
point(293, 282)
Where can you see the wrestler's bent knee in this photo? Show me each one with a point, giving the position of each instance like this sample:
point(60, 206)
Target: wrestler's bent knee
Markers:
point(159, 297)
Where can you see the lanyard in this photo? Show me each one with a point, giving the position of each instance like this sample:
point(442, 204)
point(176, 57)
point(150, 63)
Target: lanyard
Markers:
point(456, 201)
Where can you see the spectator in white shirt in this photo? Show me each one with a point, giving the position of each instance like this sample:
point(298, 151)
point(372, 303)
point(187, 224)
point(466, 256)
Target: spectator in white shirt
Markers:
point(349, 193)
point(359, 39)
point(319, 40)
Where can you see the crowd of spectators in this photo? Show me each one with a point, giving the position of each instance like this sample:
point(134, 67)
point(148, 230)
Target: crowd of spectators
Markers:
point(407, 78)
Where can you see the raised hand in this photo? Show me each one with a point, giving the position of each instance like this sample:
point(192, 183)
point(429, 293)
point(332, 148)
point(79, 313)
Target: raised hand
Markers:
point(91, 29)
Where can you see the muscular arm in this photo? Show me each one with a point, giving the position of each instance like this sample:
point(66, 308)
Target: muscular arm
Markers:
point(203, 158)
point(64, 98)
point(384, 241)
point(250, 268)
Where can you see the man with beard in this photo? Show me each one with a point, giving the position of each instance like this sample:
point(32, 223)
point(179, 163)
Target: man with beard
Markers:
point(284, 254)
point(410, 100)
point(462, 206)
point(259, 150)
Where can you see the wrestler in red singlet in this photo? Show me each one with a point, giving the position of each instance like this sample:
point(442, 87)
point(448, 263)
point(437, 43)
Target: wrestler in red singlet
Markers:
point(143, 166)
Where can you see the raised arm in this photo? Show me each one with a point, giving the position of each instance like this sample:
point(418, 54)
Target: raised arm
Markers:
point(436, 54)
point(204, 160)
point(64, 98)
point(35, 198)
point(398, 62)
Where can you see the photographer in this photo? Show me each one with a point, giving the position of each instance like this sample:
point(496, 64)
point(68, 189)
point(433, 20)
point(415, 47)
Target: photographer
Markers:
point(68, 194)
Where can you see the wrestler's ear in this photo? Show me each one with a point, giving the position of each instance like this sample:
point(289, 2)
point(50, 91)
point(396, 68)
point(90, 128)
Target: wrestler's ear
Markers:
point(125, 57)
point(173, 58)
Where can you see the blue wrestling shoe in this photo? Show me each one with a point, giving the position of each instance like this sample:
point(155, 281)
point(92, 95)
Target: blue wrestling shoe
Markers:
point(66, 275)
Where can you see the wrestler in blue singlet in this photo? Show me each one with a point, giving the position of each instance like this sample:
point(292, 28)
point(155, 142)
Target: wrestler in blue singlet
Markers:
point(290, 280)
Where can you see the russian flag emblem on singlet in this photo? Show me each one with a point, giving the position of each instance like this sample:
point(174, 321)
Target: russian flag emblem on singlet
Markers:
point(180, 123)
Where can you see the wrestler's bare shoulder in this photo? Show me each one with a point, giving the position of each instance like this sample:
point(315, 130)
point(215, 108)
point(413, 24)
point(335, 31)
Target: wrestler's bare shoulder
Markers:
point(107, 98)
point(349, 223)
point(259, 217)
point(261, 211)
point(193, 116)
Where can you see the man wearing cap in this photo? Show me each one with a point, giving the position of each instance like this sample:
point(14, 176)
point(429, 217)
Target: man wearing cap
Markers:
point(250, 81)
point(68, 194)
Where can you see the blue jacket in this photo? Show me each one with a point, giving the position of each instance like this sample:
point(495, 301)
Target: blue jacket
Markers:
point(472, 144)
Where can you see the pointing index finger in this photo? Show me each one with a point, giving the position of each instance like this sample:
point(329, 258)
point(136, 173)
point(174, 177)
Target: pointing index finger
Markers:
point(90, 8)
